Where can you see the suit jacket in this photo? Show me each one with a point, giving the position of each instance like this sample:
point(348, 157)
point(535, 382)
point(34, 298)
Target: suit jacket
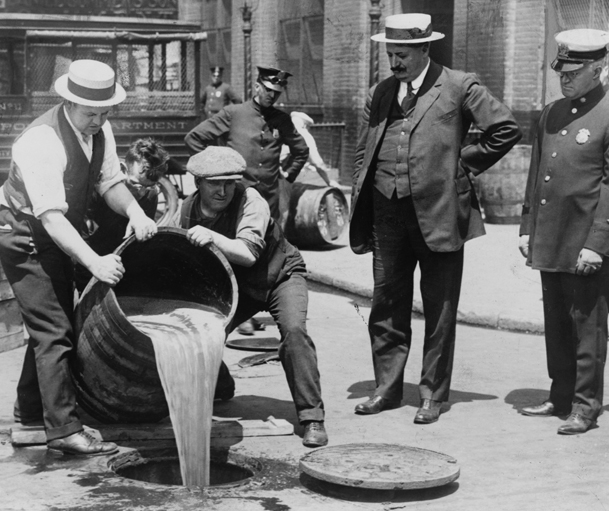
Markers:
point(566, 206)
point(447, 104)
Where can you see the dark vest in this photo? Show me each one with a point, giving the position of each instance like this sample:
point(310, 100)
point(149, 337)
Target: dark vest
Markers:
point(392, 159)
point(278, 260)
point(79, 177)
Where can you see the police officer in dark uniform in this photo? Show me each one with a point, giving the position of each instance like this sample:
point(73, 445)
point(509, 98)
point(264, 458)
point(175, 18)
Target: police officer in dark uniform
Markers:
point(564, 231)
point(217, 94)
point(257, 130)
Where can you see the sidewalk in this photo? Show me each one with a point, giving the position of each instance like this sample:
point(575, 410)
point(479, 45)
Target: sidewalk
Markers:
point(498, 289)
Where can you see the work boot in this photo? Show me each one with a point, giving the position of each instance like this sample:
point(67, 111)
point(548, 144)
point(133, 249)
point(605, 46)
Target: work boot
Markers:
point(315, 434)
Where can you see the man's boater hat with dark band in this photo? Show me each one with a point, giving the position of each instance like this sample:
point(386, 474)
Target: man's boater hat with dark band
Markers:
point(90, 83)
point(273, 78)
point(579, 47)
point(411, 28)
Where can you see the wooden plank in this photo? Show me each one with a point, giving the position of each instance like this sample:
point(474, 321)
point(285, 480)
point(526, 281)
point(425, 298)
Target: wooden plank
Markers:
point(35, 435)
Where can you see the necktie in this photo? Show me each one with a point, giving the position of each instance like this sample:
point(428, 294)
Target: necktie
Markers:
point(408, 99)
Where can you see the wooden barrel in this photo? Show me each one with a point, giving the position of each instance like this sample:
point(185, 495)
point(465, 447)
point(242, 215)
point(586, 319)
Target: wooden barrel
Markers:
point(502, 187)
point(11, 323)
point(318, 215)
point(114, 367)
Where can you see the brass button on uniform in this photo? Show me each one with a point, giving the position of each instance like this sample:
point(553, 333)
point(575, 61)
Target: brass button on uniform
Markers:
point(563, 132)
point(554, 154)
point(543, 201)
point(547, 178)
point(574, 110)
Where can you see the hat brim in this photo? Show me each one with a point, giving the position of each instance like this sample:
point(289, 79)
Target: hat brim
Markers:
point(228, 177)
point(61, 87)
point(272, 86)
point(435, 36)
point(561, 66)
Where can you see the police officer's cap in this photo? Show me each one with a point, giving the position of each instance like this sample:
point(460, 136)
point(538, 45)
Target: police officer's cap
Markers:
point(273, 78)
point(578, 47)
point(216, 163)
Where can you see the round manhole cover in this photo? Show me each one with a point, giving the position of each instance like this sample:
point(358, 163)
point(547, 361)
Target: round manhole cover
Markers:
point(380, 466)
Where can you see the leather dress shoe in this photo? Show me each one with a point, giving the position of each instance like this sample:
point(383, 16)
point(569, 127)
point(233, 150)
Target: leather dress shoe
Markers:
point(546, 409)
point(375, 404)
point(82, 443)
point(428, 412)
point(575, 424)
point(315, 434)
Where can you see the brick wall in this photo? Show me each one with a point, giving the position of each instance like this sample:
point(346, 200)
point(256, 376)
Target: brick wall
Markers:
point(501, 41)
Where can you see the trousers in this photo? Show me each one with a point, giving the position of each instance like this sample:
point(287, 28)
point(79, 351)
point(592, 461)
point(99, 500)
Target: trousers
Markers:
point(575, 321)
point(288, 304)
point(43, 286)
point(398, 246)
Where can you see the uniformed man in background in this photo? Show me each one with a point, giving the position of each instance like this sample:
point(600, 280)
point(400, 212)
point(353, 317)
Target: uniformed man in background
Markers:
point(217, 94)
point(257, 130)
point(564, 231)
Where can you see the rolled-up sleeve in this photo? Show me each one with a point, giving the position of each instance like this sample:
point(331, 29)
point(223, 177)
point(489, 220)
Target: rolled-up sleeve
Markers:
point(252, 221)
point(110, 173)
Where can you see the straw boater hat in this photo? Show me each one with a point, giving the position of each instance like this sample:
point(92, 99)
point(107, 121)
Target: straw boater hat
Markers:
point(216, 162)
point(408, 29)
point(578, 47)
point(90, 83)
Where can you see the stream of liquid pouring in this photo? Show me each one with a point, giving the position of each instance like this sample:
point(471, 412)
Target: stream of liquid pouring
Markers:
point(188, 340)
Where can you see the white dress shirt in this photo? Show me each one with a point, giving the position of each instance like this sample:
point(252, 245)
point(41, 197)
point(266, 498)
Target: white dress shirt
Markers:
point(42, 160)
point(416, 84)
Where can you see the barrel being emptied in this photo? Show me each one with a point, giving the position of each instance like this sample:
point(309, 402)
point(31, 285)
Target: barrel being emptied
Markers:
point(318, 215)
point(114, 368)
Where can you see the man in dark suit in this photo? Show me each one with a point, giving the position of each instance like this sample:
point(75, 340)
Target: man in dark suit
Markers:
point(413, 202)
point(565, 230)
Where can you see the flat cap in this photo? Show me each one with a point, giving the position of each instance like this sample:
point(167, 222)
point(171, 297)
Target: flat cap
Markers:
point(578, 47)
point(216, 163)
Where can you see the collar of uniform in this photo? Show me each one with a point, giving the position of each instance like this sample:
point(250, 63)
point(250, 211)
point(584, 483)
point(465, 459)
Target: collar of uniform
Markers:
point(258, 107)
point(590, 99)
point(564, 111)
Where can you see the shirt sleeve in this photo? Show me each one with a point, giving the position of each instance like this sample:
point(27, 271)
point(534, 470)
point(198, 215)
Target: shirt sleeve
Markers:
point(42, 161)
point(252, 221)
point(111, 169)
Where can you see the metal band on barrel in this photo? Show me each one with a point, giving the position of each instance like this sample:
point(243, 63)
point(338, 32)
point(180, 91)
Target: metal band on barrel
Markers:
point(91, 94)
point(407, 34)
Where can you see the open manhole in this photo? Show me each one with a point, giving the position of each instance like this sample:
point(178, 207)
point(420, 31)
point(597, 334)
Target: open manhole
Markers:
point(227, 469)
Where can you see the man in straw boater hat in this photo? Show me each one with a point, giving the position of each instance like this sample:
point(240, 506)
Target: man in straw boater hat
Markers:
point(413, 203)
point(270, 272)
point(57, 163)
point(564, 231)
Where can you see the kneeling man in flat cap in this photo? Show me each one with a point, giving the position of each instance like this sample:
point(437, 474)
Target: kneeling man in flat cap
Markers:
point(564, 231)
point(269, 271)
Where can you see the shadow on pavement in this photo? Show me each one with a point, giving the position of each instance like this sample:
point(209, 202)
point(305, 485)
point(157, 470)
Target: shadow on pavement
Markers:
point(519, 398)
point(256, 408)
point(338, 491)
point(365, 389)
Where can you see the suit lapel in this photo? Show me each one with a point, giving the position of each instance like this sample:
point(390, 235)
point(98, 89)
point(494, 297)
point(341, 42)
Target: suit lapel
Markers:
point(385, 102)
point(429, 92)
